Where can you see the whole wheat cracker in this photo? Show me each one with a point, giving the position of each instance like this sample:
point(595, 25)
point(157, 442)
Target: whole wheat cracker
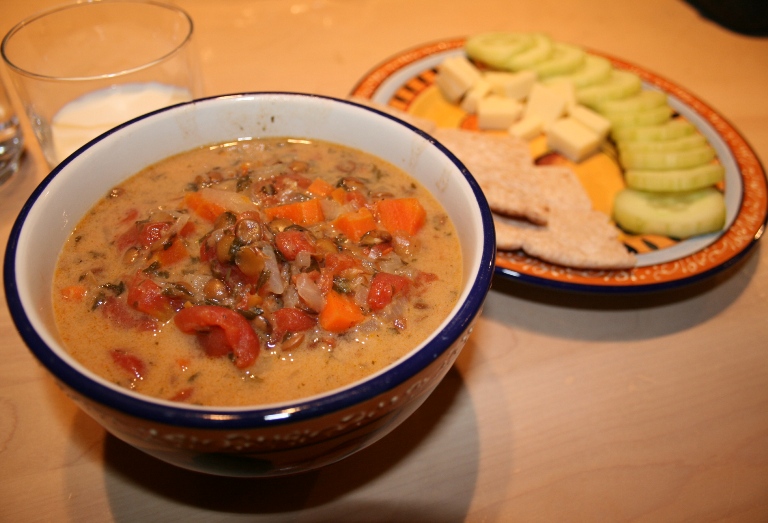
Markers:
point(513, 185)
point(581, 239)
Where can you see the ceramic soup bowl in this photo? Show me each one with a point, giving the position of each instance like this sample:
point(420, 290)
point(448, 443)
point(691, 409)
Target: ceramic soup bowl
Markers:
point(258, 440)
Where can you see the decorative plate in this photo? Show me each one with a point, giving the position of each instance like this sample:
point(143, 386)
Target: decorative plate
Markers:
point(406, 82)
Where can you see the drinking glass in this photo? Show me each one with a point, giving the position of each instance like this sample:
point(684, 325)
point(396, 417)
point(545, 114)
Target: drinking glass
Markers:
point(81, 69)
point(11, 138)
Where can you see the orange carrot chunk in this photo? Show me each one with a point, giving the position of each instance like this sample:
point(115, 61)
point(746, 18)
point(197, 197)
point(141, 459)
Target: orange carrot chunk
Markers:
point(339, 195)
point(340, 313)
point(206, 209)
point(401, 214)
point(320, 187)
point(355, 224)
point(174, 253)
point(304, 213)
point(74, 293)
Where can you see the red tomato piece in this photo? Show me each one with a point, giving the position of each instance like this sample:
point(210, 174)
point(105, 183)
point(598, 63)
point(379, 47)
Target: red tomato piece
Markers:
point(339, 262)
point(291, 242)
point(425, 278)
point(325, 281)
point(214, 342)
point(117, 312)
point(130, 363)
point(129, 238)
point(289, 319)
point(150, 233)
point(207, 251)
point(284, 181)
point(143, 235)
point(220, 329)
point(383, 288)
point(380, 249)
point(146, 296)
point(130, 216)
point(183, 394)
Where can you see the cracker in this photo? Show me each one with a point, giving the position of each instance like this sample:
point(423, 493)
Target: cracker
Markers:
point(561, 188)
point(543, 210)
point(512, 184)
point(502, 166)
point(542, 190)
point(511, 233)
point(581, 239)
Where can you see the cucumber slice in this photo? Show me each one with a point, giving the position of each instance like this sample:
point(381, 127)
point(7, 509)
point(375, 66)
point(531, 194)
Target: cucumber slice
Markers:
point(666, 131)
point(641, 101)
point(540, 50)
point(675, 144)
point(594, 70)
point(565, 58)
point(675, 180)
point(495, 49)
point(643, 117)
point(620, 84)
point(678, 215)
point(667, 160)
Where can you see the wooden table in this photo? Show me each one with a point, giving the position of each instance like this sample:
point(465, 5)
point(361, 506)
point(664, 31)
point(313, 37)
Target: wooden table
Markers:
point(562, 407)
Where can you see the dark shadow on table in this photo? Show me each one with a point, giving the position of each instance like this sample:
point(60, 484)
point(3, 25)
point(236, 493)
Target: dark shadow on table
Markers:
point(549, 310)
point(748, 17)
point(327, 494)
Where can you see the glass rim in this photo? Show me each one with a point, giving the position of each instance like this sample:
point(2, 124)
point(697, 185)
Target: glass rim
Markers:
point(84, 3)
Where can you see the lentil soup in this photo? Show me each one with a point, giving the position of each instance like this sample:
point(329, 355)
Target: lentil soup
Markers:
point(255, 272)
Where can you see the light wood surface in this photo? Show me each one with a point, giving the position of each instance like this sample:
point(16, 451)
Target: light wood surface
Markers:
point(562, 407)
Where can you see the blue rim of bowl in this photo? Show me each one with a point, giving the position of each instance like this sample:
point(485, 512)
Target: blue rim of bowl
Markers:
point(234, 417)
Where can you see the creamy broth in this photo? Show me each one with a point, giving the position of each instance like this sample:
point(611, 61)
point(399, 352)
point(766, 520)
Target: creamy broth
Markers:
point(331, 262)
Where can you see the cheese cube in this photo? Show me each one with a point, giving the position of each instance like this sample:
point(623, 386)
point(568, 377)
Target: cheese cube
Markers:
point(455, 76)
point(566, 88)
point(498, 112)
point(513, 85)
point(591, 119)
point(477, 92)
point(528, 127)
point(572, 139)
point(548, 103)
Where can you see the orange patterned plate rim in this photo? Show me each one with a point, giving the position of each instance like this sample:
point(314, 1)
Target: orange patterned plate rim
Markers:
point(400, 79)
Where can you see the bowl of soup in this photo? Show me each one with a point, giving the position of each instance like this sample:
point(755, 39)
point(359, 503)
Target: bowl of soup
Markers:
point(255, 284)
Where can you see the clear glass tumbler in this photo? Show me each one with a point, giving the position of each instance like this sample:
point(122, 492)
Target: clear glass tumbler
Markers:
point(11, 137)
point(83, 68)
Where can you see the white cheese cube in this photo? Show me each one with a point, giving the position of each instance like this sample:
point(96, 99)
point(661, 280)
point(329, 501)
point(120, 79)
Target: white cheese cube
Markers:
point(498, 112)
point(528, 127)
point(572, 139)
point(549, 104)
point(477, 92)
point(513, 85)
point(591, 119)
point(455, 76)
point(566, 88)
